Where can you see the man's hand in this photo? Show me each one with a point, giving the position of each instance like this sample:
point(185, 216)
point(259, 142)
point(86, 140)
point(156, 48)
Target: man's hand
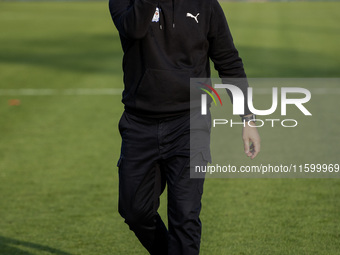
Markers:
point(251, 140)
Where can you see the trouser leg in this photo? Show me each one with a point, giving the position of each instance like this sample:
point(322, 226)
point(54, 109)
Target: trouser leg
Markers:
point(141, 183)
point(184, 206)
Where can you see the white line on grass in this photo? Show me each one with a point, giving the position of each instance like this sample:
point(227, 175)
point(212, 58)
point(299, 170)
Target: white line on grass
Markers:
point(56, 92)
point(313, 91)
point(116, 92)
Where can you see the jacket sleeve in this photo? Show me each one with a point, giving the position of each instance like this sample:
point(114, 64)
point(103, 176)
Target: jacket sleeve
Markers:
point(132, 18)
point(224, 54)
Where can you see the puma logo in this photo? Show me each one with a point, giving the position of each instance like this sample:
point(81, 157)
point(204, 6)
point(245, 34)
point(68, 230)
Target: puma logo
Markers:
point(192, 16)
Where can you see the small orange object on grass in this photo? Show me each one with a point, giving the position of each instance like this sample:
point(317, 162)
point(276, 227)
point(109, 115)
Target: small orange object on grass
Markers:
point(14, 102)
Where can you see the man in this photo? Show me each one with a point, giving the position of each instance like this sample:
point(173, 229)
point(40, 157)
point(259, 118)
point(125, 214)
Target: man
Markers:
point(165, 42)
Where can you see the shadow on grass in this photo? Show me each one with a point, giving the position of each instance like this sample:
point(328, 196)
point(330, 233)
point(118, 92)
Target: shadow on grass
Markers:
point(83, 54)
point(9, 246)
point(88, 53)
point(287, 62)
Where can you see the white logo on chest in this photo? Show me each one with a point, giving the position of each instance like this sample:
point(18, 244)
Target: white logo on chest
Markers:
point(192, 16)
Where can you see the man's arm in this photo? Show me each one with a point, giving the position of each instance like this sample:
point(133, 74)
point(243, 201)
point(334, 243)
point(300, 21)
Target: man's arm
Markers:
point(224, 54)
point(230, 68)
point(222, 50)
point(132, 17)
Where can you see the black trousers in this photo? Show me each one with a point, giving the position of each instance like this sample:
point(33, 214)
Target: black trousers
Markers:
point(156, 153)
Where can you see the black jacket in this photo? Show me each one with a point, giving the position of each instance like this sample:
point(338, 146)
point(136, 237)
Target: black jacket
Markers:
point(167, 42)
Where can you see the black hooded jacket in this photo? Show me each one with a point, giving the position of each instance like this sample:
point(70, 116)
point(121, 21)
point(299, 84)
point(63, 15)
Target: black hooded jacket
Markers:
point(167, 42)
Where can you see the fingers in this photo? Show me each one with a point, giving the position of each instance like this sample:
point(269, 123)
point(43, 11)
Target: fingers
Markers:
point(246, 146)
point(251, 150)
point(251, 141)
point(256, 149)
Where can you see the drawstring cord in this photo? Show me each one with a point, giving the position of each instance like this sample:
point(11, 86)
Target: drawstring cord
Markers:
point(160, 18)
point(173, 13)
point(161, 11)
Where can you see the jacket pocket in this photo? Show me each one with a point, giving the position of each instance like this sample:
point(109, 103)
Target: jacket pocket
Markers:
point(164, 91)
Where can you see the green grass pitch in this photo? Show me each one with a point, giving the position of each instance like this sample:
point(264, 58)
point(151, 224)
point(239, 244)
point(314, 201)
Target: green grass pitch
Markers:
point(58, 179)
